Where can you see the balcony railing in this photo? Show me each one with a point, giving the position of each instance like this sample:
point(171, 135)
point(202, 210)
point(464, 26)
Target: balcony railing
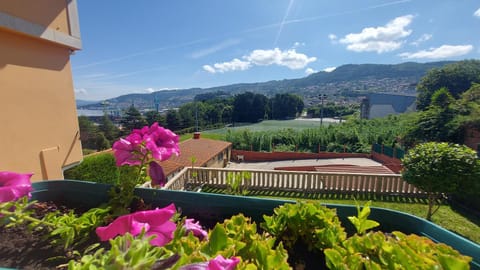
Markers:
point(309, 182)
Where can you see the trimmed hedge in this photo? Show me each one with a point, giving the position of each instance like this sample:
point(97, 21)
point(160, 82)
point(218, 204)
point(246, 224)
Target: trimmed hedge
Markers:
point(100, 168)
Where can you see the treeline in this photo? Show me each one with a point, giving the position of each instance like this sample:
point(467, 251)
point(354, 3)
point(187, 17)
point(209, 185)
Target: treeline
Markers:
point(211, 110)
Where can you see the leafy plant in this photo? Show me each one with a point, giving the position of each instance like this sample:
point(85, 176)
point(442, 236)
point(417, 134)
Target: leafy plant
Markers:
point(126, 252)
point(361, 221)
point(71, 230)
point(309, 222)
point(238, 182)
point(67, 229)
point(376, 250)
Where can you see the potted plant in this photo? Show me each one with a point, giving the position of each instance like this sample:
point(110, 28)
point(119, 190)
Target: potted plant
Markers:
point(146, 228)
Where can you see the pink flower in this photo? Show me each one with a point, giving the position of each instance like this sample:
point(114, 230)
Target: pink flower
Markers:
point(195, 228)
point(156, 174)
point(128, 151)
point(219, 263)
point(154, 222)
point(14, 186)
point(161, 142)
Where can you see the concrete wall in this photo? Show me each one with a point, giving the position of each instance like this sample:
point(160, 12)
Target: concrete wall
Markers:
point(48, 13)
point(38, 120)
point(393, 164)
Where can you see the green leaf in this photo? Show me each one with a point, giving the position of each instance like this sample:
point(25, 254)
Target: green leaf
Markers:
point(218, 240)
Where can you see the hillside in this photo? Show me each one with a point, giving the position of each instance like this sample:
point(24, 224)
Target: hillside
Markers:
point(347, 82)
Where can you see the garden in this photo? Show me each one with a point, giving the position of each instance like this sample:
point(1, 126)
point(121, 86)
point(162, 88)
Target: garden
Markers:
point(86, 225)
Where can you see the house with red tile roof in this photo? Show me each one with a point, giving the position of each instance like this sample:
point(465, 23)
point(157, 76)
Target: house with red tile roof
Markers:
point(198, 152)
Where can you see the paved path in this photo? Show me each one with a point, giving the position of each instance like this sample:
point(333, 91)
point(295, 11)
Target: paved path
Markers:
point(304, 162)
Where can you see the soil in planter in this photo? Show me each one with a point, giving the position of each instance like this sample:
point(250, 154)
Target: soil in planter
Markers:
point(22, 249)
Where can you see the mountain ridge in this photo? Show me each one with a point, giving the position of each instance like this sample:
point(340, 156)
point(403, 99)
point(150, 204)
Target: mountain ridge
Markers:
point(347, 81)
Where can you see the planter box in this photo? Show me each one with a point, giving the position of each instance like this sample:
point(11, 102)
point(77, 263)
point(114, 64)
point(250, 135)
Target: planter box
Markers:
point(216, 207)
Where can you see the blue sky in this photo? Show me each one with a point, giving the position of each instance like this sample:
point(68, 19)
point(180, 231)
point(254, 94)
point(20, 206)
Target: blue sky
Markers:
point(149, 45)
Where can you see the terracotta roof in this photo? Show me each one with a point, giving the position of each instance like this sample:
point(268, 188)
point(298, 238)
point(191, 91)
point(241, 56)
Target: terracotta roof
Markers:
point(202, 149)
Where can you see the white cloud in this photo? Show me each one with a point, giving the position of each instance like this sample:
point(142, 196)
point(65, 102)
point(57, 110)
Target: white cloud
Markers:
point(423, 38)
point(288, 58)
point(149, 90)
point(309, 71)
point(329, 69)
point(477, 13)
point(380, 39)
point(209, 68)
point(235, 64)
point(444, 51)
point(332, 37)
point(81, 91)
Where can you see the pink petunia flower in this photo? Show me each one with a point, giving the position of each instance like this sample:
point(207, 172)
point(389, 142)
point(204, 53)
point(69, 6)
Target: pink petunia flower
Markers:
point(195, 228)
point(155, 222)
point(161, 142)
point(155, 171)
point(128, 151)
point(219, 263)
point(14, 186)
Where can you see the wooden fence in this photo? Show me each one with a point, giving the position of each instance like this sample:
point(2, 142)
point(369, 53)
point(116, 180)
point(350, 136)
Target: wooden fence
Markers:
point(309, 182)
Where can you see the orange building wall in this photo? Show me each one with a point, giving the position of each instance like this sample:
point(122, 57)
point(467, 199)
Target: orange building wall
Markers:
point(48, 13)
point(38, 120)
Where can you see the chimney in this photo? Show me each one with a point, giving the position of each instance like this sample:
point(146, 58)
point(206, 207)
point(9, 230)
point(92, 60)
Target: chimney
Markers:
point(196, 135)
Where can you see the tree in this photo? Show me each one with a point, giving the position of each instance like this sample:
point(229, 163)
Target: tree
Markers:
point(173, 120)
point(457, 78)
point(249, 107)
point(132, 120)
point(438, 168)
point(90, 136)
point(154, 116)
point(286, 106)
point(110, 131)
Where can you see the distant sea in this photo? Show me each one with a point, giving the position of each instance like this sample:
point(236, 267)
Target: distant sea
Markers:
point(84, 112)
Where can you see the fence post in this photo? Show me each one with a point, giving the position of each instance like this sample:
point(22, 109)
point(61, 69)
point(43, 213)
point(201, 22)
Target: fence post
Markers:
point(381, 151)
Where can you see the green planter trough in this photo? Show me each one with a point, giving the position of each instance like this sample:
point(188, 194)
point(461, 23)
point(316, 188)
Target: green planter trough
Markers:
point(216, 207)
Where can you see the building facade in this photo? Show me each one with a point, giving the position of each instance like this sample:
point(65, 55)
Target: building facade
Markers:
point(38, 116)
point(377, 105)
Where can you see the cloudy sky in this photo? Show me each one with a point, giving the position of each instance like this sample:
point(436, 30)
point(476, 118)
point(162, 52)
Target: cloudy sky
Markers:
point(149, 45)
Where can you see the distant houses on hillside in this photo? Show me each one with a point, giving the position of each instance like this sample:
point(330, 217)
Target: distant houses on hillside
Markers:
point(377, 105)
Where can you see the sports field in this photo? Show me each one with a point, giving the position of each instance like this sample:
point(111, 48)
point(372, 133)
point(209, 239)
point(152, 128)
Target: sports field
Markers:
point(270, 125)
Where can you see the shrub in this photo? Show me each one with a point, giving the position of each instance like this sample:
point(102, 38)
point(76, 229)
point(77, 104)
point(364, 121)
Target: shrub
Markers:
point(441, 168)
point(97, 168)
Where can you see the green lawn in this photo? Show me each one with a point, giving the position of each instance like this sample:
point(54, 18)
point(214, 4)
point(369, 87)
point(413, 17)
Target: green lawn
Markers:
point(269, 125)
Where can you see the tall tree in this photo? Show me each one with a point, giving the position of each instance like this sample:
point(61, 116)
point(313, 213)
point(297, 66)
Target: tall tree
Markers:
point(154, 116)
point(173, 120)
point(249, 107)
point(286, 106)
point(110, 131)
point(457, 78)
point(132, 120)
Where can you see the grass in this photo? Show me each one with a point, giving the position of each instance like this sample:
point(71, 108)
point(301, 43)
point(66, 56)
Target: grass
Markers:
point(213, 136)
point(270, 125)
point(448, 217)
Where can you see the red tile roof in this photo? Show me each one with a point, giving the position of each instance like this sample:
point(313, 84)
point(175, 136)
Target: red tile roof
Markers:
point(202, 149)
